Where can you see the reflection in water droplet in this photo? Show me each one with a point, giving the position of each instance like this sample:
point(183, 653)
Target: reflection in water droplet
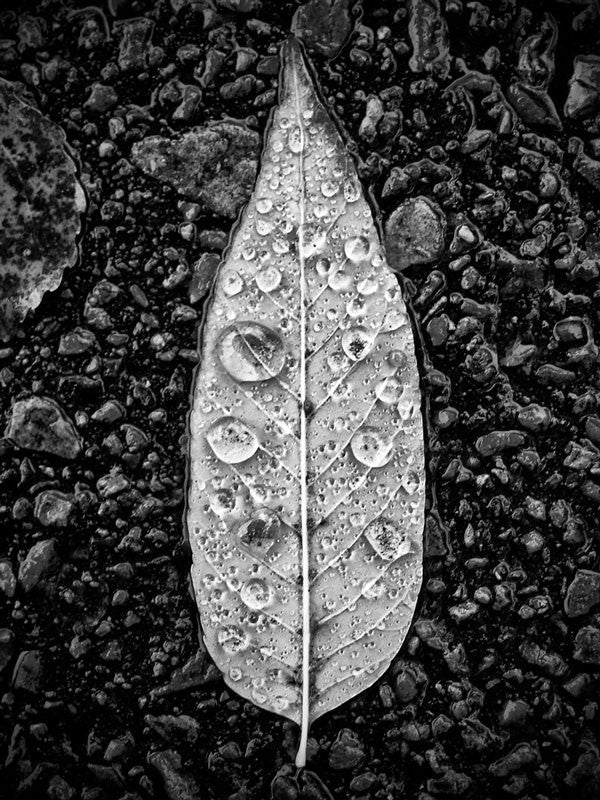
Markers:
point(250, 351)
point(371, 447)
point(260, 531)
point(233, 639)
point(323, 266)
point(256, 594)
point(387, 539)
point(231, 440)
point(232, 284)
point(268, 279)
point(357, 248)
point(356, 342)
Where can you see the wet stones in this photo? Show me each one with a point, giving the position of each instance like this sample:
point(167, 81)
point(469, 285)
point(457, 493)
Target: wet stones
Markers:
point(323, 25)
point(496, 442)
point(584, 87)
point(415, 233)
point(587, 645)
point(135, 38)
point(583, 593)
point(40, 424)
point(428, 33)
point(27, 671)
point(215, 164)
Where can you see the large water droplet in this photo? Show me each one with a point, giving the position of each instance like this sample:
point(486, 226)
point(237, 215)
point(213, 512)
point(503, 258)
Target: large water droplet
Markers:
point(256, 594)
point(356, 342)
point(357, 248)
point(224, 502)
point(233, 639)
point(371, 447)
point(260, 531)
point(250, 351)
point(387, 539)
point(231, 440)
point(351, 190)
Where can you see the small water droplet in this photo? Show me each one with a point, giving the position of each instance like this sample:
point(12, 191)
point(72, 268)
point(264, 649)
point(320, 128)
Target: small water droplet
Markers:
point(389, 390)
point(264, 205)
point(264, 226)
point(233, 284)
point(295, 139)
point(357, 248)
point(367, 286)
point(351, 190)
point(323, 266)
point(410, 482)
point(268, 279)
point(387, 539)
point(233, 639)
point(356, 342)
point(329, 188)
point(371, 447)
point(231, 440)
point(337, 361)
point(250, 351)
point(256, 594)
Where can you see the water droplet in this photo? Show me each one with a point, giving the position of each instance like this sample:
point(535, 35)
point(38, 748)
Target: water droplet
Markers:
point(250, 351)
point(313, 238)
point(268, 279)
point(264, 205)
point(337, 361)
point(260, 531)
point(356, 342)
point(397, 359)
point(256, 594)
point(371, 447)
point(295, 139)
point(258, 696)
point(323, 266)
point(224, 501)
point(387, 539)
point(233, 284)
point(393, 320)
point(329, 188)
point(357, 248)
point(233, 639)
point(280, 245)
point(389, 390)
point(264, 226)
point(367, 286)
point(410, 482)
point(235, 674)
point(351, 190)
point(339, 281)
point(231, 440)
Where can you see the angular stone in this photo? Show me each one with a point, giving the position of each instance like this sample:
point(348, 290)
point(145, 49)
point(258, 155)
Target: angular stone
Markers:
point(27, 671)
point(53, 508)
point(587, 645)
point(583, 593)
point(346, 752)
point(177, 783)
point(215, 164)
point(415, 233)
point(37, 563)
point(497, 441)
point(8, 582)
point(38, 423)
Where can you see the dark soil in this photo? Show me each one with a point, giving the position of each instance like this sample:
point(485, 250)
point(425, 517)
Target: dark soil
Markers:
point(107, 691)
